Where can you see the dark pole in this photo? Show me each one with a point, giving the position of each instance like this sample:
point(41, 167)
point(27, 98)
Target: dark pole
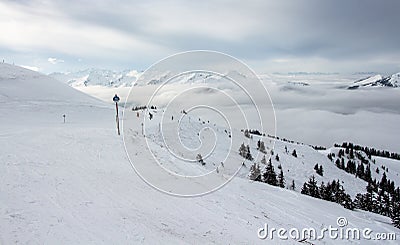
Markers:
point(116, 100)
point(116, 106)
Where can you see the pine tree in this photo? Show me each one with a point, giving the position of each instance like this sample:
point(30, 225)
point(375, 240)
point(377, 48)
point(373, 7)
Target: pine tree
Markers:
point(199, 158)
point(368, 198)
point(347, 202)
point(261, 148)
point(391, 187)
point(304, 189)
point(321, 170)
point(395, 212)
point(248, 155)
point(364, 201)
point(264, 161)
point(360, 171)
point(340, 153)
point(396, 195)
point(386, 205)
point(377, 204)
point(342, 164)
point(342, 197)
point(396, 215)
point(310, 188)
point(270, 175)
point(247, 133)
point(243, 150)
point(351, 167)
point(367, 174)
point(313, 188)
point(359, 201)
point(383, 183)
point(328, 195)
point(255, 172)
point(294, 153)
point(324, 193)
point(293, 185)
point(318, 169)
point(281, 179)
point(277, 157)
point(337, 162)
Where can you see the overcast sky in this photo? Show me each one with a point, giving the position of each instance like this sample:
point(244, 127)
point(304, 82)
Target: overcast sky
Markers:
point(271, 36)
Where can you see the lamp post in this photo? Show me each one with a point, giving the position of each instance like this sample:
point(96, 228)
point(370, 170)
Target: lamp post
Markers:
point(116, 100)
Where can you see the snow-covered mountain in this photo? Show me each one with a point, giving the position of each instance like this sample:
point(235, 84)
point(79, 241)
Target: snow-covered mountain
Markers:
point(377, 81)
point(102, 77)
point(71, 183)
point(128, 78)
point(156, 77)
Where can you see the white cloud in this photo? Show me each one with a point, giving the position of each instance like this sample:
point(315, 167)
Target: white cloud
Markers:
point(54, 60)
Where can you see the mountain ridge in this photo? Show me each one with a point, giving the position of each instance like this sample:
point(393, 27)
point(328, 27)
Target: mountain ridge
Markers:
point(377, 81)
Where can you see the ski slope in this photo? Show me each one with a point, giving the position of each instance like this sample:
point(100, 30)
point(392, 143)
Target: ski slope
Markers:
point(72, 183)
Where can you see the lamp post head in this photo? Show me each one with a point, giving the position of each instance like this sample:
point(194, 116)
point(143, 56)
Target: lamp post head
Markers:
point(116, 98)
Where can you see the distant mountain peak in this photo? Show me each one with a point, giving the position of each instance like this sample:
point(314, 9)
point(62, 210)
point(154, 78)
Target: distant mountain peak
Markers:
point(377, 81)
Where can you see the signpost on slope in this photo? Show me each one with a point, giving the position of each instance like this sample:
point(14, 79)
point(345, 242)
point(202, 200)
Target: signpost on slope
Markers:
point(116, 100)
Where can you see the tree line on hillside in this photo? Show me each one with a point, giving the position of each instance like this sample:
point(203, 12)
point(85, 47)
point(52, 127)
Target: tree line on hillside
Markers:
point(382, 196)
point(370, 151)
point(143, 107)
point(332, 192)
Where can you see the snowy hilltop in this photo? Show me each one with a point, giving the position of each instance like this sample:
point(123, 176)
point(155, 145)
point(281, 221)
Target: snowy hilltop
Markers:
point(102, 77)
point(72, 182)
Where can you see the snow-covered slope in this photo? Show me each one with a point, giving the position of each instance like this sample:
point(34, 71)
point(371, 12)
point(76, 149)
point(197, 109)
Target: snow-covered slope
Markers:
point(25, 85)
point(73, 184)
point(29, 99)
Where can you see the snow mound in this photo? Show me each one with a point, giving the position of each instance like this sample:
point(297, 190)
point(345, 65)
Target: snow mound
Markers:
point(32, 99)
point(20, 84)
